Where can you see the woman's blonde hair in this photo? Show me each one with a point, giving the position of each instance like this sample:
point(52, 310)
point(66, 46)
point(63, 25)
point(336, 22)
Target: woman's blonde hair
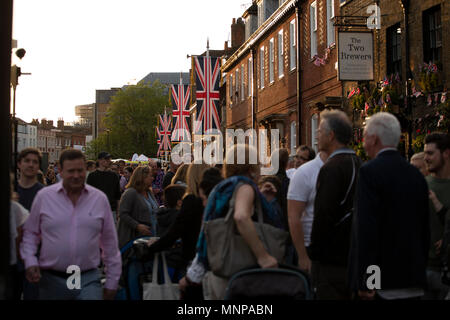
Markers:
point(137, 179)
point(234, 166)
point(194, 177)
point(181, 174)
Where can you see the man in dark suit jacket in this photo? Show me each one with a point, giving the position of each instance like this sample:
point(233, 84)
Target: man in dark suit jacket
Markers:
point(390, 228)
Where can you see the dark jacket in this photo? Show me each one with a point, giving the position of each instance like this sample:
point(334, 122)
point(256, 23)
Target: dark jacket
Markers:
point(167, 179)
point(282, 195)
point(186, 226)
point(330, 236)
point(390, 228)
point(109, 183)
point(166, 217)
point(133, 211)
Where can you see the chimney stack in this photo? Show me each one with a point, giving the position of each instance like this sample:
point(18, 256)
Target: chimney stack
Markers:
point(237, 33)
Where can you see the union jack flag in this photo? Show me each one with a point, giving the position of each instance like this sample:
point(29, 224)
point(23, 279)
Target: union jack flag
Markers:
point(180, 113)
point(353, 92)
point(164, 132)
point(207, 70)
point(366, 108)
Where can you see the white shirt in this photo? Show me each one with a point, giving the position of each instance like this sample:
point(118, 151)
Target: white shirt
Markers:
point(290, 172)
point(302, 187)
point(17, 217)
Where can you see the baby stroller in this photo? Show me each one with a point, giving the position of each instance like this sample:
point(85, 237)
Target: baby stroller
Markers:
point(135, 271)
point(283, 283)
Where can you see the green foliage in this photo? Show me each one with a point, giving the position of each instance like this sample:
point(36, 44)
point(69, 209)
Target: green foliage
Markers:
point(429, 78)
point(444, 112)
point(131, 121)
point(94, 147)
point(417, 143)
point(358, 101)
point(359, 149)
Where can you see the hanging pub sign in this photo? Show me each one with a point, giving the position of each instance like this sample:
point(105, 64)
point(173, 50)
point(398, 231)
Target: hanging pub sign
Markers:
point(355, 56)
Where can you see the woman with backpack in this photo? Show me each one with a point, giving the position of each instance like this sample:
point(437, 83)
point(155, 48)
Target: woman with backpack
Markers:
point(238, 187)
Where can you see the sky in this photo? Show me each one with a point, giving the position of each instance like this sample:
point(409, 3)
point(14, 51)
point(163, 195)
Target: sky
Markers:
point(74, 47)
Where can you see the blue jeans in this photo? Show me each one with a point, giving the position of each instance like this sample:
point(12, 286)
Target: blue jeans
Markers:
point(436, 289)
point(52, 287)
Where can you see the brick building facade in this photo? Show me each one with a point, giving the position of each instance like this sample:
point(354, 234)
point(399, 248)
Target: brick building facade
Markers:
point(262, 74)
point(412, 33)
point(320, 87)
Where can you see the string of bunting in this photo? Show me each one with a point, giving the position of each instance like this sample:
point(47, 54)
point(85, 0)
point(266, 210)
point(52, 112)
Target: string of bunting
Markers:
point(318, 61)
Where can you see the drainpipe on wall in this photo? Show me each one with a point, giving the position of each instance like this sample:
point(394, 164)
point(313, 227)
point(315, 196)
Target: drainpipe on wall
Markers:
point(254, 89)
point(299, 99)
point(408, 106)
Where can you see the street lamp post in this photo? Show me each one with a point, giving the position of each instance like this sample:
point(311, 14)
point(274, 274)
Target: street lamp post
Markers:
point(16, 72)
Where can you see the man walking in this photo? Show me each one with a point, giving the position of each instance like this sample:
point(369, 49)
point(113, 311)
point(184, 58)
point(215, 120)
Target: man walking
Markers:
point(390, 230)
point(28, 162)
point(106, 181)
point(170, 174)
point(330, 235)
point(437, 159)
point(72, 222)
point(303, 154)
point(301, 196)
point(27, 186)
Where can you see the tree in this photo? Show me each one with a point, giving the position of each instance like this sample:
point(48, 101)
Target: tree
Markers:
point(94, 147)
point(131, 121)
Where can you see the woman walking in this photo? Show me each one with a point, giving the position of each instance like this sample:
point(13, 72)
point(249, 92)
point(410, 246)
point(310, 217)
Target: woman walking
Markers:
point(137, 209)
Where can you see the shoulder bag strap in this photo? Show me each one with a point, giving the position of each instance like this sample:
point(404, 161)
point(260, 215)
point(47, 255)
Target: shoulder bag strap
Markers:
point(348, 192)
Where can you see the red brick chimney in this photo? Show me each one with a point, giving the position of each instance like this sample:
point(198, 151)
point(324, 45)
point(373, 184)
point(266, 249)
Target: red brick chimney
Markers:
point(237, 33)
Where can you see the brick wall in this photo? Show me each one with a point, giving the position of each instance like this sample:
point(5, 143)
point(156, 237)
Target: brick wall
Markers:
point(392, 14)
point(317, 82)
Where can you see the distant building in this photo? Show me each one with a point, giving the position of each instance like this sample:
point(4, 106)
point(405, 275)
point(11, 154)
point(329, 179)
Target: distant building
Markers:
point(46, 139)
point(26, 135)
point(102, 104)
point(51, 141)
point(85, 113)
point(166, 78)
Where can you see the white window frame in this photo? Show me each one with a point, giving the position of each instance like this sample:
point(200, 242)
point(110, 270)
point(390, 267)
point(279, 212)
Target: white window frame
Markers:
point(250, 77)
point(314, 127)
point(242, 83)
point(271, 60)
point(293, 137)
point(231, 88)
point(330, 27)
point(292, 46)
point(313, 28)
point(280, 54)
point(261, 67)
point(236, 72)
point(260, 13)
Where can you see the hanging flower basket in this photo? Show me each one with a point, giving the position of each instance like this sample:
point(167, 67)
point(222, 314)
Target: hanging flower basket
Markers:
point(443, 110)
point(429, 77)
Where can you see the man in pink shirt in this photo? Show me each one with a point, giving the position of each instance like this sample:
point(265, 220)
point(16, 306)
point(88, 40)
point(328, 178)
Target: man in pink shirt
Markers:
point(72, 222)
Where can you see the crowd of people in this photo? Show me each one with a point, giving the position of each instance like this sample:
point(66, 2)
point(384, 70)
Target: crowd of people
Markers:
point(343, 217)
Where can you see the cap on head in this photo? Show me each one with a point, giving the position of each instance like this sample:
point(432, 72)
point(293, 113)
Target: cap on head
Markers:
point(103, 155)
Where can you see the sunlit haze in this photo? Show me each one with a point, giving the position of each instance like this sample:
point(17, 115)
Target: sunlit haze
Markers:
point(76, 47)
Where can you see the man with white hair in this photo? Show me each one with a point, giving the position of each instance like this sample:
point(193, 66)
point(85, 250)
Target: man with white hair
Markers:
point(390, 236)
